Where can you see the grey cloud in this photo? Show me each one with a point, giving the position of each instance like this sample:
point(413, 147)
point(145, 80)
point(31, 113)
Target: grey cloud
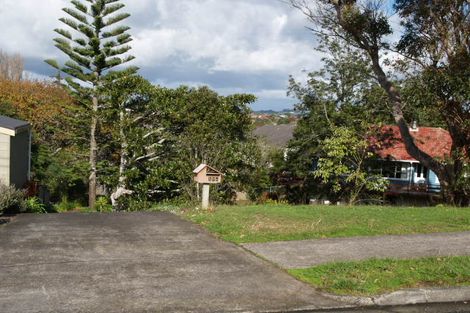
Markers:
point(242, 45)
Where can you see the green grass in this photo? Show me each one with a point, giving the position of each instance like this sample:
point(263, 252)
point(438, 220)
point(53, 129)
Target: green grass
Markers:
point(375, 277)
point(263, 223)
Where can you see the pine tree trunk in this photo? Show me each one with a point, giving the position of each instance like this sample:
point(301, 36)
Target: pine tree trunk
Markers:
point(124, 153)
point(93, 154)
point(121, 187)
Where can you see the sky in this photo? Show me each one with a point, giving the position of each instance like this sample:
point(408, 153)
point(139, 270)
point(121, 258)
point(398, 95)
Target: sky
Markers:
point(232, 46)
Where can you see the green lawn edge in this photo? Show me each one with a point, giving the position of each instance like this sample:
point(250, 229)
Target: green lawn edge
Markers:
point(378, 276)
point(265, 223)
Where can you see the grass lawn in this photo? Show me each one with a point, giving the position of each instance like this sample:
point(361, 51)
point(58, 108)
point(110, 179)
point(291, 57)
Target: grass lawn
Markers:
point(263, 223)
point(375, 277)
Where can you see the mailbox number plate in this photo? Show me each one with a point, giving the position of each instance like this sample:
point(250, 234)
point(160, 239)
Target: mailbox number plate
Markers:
point(213, 179)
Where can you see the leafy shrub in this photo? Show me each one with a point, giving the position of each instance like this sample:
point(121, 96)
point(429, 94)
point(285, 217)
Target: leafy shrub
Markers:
point(65, 205)
point(11, 199)
point(173, 205)
point(34, 205)
point(135, 204)
point(102, 205)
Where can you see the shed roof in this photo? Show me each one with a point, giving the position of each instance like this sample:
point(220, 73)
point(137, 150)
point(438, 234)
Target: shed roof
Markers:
point(198, 169)
point(434, 141)
point(11, 126)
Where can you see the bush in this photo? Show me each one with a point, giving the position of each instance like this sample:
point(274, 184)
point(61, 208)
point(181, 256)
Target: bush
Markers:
point(12, 200)
point(34, 205)
point(65, 205)
point(102, 205)
point(131, 204)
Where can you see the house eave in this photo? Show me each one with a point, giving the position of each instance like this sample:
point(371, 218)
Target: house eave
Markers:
point(402, 161)
point(14, 132)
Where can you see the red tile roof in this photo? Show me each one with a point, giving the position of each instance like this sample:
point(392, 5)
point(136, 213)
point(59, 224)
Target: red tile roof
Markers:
point(434, 141)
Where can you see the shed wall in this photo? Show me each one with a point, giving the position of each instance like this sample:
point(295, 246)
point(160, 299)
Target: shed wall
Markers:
point(19, 164)
point(5, 159)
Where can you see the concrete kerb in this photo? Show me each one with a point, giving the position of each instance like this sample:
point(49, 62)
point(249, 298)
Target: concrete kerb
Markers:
point(401, 298)
point(409, 297)
point(397, 298)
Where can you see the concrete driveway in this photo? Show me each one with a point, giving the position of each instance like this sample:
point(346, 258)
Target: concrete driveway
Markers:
point(136, 262)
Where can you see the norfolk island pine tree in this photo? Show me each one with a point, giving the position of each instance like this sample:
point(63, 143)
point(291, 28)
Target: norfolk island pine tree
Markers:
point(95, 46)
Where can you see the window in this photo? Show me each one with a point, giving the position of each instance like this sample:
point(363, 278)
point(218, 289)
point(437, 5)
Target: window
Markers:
point(396, 170)
point(420, 171)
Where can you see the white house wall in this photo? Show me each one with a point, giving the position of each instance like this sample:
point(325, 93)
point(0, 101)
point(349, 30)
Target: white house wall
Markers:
point(5, 159)
point(433, 179)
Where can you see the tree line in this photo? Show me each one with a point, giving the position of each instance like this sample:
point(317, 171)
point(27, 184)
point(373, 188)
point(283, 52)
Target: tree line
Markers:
point(101, 124)
point(148, 152)
point(368, 80)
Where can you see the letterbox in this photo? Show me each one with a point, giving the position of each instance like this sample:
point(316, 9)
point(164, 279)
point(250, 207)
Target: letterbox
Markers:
point(204, 174)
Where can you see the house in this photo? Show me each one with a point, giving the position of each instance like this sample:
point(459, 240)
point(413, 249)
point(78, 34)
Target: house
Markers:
point(406, 174)
point(15, 151)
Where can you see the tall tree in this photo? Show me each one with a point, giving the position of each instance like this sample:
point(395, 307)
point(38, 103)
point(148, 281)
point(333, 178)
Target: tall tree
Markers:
point(135, 133)
point(95, 46)
point(217, 130)
point(436, 41)
point(156, 136)
point(340, 95)
point(345, 165)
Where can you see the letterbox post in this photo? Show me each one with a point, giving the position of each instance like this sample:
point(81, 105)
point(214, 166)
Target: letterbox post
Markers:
point(205, 196)
point(206, 175)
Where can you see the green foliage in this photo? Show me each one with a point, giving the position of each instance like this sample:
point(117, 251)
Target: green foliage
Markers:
point(432, 38)
point(174, 205)
point(347, 156)
point(58, 134)
point(204, 127)
point(63, 171)
point(141, 203)
point(102, 205)
point(65, 205)
point(374, 277)
point(11, 199)
point(93, 47)
point(34, 205)
point(132, 141)
point(436, 56)
point(152, 138)
point(342, 95)
point(7, 109)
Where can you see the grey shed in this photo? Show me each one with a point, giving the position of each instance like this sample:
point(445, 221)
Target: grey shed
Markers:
point(15, 151)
